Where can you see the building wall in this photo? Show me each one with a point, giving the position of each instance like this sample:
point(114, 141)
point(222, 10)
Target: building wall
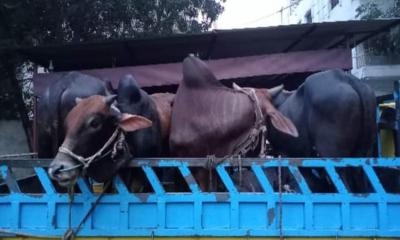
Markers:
point(321, 10)
point(12, 137)
point(376, 70)
point(13, 141)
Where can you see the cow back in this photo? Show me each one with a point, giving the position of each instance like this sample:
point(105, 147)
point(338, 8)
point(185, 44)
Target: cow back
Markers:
point(207, 117)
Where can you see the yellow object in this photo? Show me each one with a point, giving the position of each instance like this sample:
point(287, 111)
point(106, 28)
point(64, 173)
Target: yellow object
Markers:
point(386, 135)
point(388, 105)
point(387, 140)
point(97, 187)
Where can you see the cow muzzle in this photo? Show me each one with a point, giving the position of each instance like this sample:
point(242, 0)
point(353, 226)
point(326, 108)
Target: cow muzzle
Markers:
point(63, 170)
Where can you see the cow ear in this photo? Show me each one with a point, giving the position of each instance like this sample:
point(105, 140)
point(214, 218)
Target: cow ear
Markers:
point(280, 122)
point(130, 123)
point(284, 124)
point(78, 100)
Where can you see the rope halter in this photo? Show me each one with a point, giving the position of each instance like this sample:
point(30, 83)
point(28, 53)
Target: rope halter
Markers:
point(259, 128)
point(117, 139)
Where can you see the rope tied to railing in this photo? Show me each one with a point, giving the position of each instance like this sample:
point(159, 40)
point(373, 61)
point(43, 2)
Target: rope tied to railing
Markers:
point(210, 166)
point(71, 233)
point(240, 171)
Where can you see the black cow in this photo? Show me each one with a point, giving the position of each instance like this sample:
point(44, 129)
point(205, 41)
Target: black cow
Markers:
point(335, 114)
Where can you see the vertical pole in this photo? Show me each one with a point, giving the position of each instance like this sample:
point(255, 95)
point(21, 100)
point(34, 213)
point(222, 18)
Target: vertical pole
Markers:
point(396, 94)
point(378, 134)
point(34, 129)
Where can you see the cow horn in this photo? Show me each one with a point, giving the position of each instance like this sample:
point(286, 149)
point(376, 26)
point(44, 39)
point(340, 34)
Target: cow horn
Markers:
point(236, 87)
point(110, 99)
point(276, 90)
point(115, 109)
point(78, 100)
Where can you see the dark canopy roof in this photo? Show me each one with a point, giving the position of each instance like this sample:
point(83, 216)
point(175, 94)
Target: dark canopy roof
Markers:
point(211, 45)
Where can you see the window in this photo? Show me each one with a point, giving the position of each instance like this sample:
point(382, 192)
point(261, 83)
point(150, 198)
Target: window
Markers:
point(333, 3)
point(308, 16)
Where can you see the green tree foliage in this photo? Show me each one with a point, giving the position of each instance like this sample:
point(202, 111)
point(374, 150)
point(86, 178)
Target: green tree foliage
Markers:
point(388, 43)
point(26, 23)
point(37, 22)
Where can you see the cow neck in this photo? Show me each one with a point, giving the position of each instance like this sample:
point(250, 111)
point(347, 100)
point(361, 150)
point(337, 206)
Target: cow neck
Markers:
point(258, 129)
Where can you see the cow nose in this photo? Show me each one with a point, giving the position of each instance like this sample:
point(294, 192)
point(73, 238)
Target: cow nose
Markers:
point(55, 170)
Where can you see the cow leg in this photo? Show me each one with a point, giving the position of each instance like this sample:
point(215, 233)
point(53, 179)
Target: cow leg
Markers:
point(330, 144)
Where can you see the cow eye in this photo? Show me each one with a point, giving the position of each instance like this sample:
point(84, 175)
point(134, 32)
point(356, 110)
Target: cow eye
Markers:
point(95, 123)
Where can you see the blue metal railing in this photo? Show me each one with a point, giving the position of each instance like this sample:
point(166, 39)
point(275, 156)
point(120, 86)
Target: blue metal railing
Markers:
point(305, 213)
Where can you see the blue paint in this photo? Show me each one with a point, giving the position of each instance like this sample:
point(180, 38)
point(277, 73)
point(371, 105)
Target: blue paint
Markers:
point(393, 210)
point(216, 215)
point(257, 220)
point(363, 215)
point(196, 213)
point(320, 219)
point(188, 175)
point(103, 217)
point(45, 180)
point(153, 179)
point(143, 215)
point(179, 215)
point(300, 179)
point(61, 221)
point(120, 186)
point(262, 179)
point(293, 215)
point(84, 187)
point(6, 215)
point(226, 179)
point(33, 215)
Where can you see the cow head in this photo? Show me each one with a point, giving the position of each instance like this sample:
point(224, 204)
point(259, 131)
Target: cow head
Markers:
point(90, 127)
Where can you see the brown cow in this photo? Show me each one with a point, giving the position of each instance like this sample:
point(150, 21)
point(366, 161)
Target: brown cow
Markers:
point(164, 102)
point(89, 126)
point(95, 128)
point(211, 119)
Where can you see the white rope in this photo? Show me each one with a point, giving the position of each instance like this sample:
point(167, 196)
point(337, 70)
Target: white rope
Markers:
point(88, 160)
point(258, 129)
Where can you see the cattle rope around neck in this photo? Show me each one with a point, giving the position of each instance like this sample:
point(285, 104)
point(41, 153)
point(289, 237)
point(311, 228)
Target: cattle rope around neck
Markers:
point(250, 143)
point(258, 129)
point(117, 138)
